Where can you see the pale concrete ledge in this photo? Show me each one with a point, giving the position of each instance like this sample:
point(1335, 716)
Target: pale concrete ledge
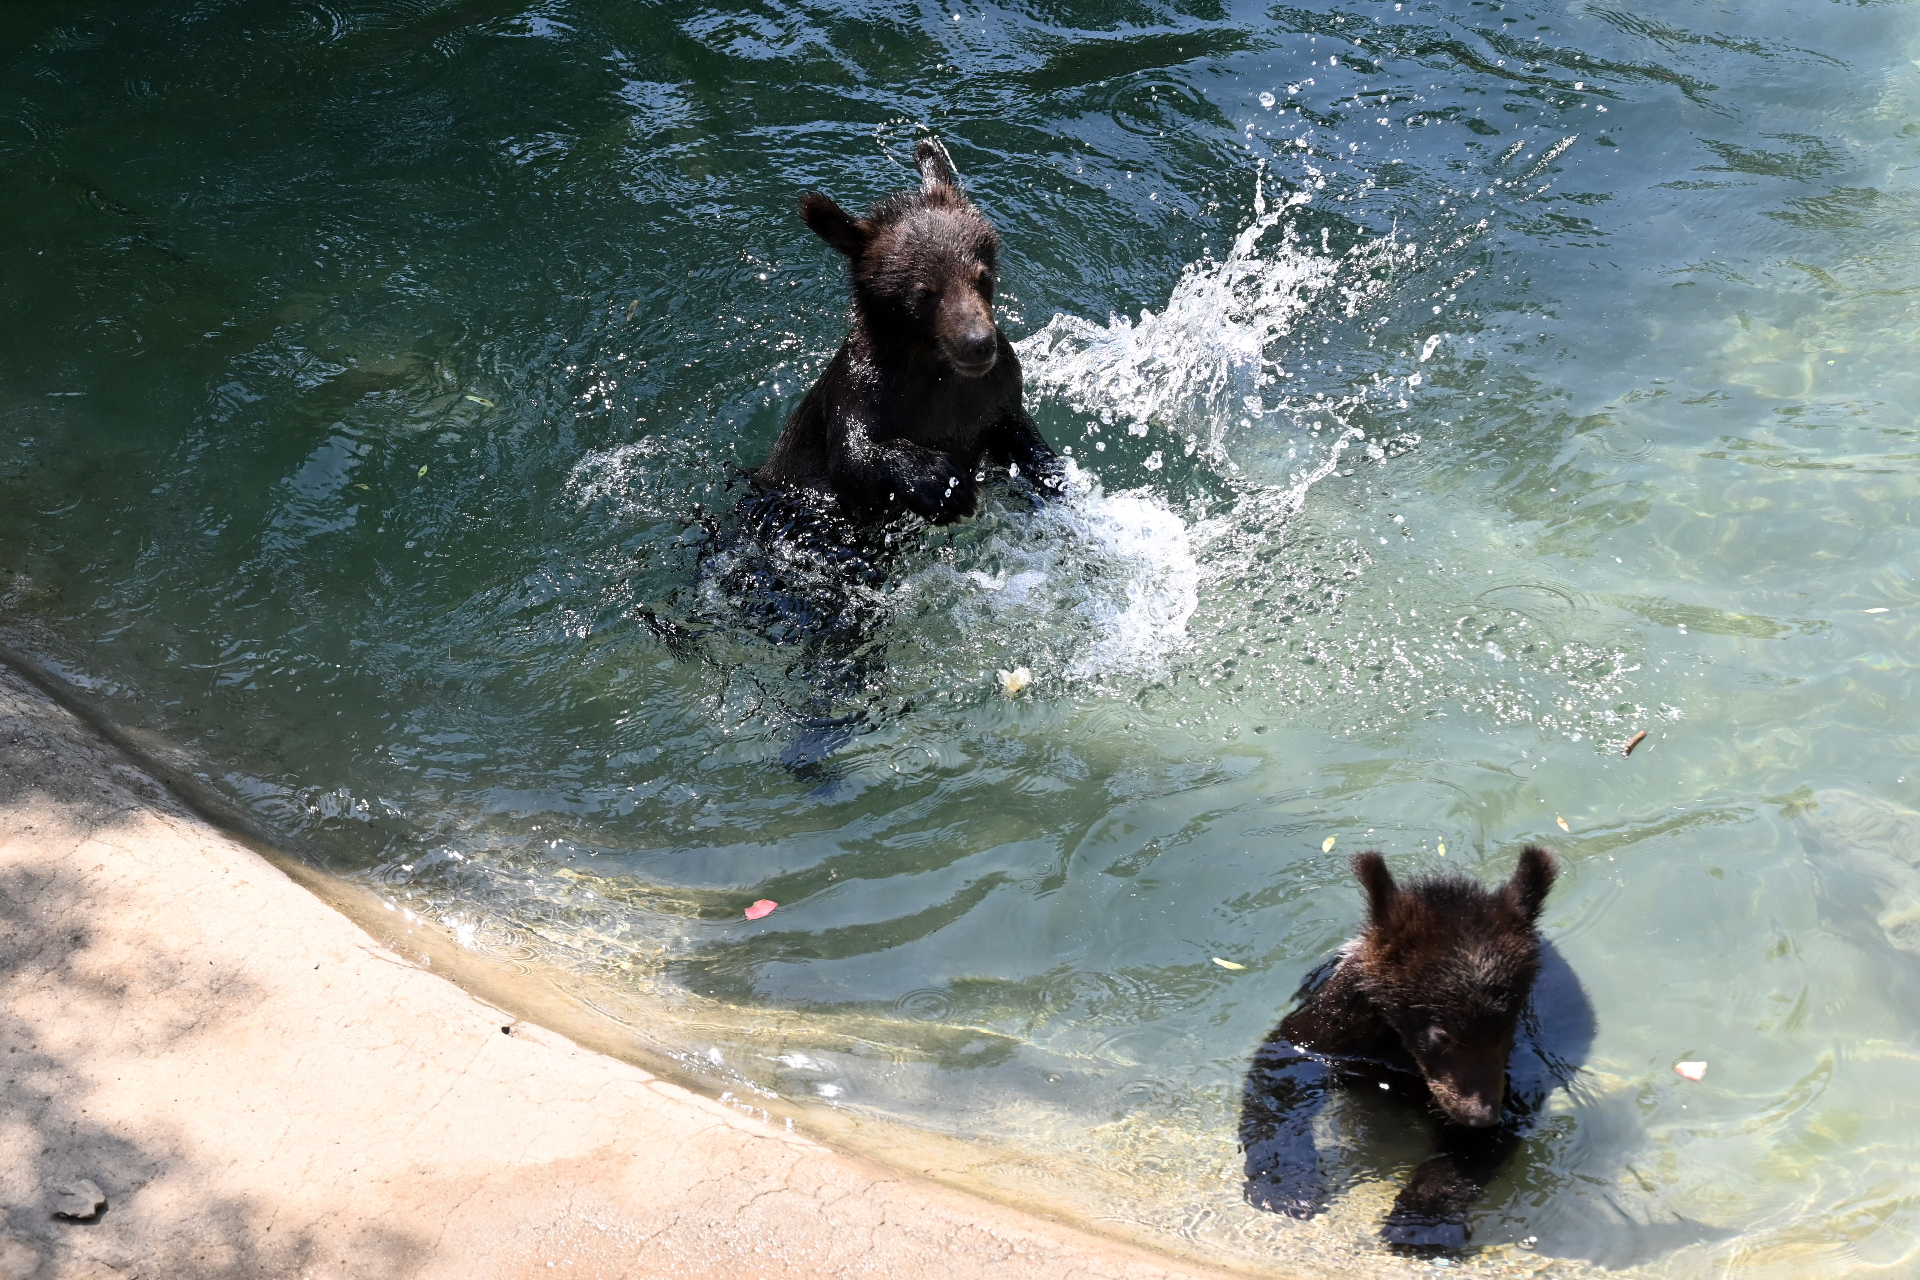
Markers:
point(263, 1090)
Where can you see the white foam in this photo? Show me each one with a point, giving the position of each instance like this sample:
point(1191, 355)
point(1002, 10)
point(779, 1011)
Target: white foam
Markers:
point(619, 476)
point(1106, 582)
point(1153, 580)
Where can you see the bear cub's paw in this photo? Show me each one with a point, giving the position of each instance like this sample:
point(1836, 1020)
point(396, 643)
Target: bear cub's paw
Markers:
point(1415, 1231)
point(938, 491)
point(1300, 1197)
point(1430, 1212)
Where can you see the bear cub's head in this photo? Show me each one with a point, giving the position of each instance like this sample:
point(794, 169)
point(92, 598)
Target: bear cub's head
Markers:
point(1450, 965)
point(923, 264)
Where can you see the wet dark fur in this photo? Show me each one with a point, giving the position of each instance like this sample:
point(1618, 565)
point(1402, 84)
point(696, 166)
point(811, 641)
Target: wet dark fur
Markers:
point(794, 574)
point(1429, 999)
point(925, 391)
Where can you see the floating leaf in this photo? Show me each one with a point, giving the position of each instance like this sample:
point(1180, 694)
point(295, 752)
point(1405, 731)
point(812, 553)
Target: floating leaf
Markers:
point(360, 486)
point(1691, 1070)
point(1326, 846)
point(1227, 964)
point(1876, 611)
point(480, 400)
point(423, 470)
point(764, 907)
point(1443, 848)
point(1562, 821)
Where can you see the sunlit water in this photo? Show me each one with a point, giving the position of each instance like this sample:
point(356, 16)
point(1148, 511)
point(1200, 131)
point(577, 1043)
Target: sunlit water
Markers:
point(1454, 389)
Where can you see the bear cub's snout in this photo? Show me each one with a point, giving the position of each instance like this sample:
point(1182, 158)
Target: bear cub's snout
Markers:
point(1450, 965)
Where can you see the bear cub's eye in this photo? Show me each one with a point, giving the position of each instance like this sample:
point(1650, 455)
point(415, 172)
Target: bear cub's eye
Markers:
point(925, 293)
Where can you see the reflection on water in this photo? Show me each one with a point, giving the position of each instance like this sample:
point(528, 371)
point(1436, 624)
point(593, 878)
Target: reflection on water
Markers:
point(1454, 390)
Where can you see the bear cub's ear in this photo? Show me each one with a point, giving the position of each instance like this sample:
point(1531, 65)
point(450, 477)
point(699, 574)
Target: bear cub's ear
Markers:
point(935, 166)
point(835, 225)
point(1378, 882)
point(1532, 877)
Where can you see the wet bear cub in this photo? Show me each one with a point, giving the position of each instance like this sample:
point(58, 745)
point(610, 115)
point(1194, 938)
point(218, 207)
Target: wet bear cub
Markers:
point(1436, 1011)
point(926, 389)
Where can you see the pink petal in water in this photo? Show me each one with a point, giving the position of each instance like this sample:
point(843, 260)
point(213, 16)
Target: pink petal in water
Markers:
point(764, 907)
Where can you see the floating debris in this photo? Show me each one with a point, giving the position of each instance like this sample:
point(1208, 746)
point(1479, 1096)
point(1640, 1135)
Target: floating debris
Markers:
point(1326, 846)
point(423, 470)
point(480, 400)
point(1691, 1070)
point(1562, 821)
point(1879, 610)
point(1634, 741)
point(1014, 681)
point(1443, 848)
point(1228, 964)
point(81, 1198)
point(764, 907)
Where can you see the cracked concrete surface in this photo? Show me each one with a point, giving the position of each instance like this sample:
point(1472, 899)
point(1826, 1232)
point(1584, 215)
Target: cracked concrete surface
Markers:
point(263, 1090)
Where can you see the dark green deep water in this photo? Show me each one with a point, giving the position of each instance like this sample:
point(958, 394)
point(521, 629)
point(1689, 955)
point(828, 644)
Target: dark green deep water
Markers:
point(1459, 387)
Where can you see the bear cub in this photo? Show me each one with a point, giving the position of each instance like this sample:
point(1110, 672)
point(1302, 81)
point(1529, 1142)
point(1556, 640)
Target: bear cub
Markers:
point(926, 389)
point(1422, 1007)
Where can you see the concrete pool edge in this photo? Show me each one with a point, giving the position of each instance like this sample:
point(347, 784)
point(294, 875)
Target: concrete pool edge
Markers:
point(264, 1087)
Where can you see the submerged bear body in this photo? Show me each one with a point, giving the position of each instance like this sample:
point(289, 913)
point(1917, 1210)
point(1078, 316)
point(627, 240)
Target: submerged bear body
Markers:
point(921, 400)
point(1447, 1007)
point(925, 392)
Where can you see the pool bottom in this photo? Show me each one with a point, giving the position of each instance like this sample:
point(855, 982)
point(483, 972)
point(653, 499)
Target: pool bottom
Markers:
point(1163, 1174)
point(261, 1088)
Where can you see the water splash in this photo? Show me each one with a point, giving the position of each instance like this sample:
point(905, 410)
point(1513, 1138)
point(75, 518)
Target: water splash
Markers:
point(1125, 565)
point(1110, 583)
point(1240, 364)
point(1212, 358)
point(1104, 583)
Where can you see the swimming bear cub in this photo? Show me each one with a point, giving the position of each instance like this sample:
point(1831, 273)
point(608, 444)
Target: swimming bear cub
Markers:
point(925, 389)
point(1433, 1003)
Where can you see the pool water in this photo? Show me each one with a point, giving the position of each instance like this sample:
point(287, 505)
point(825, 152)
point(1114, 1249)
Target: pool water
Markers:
point(1454, 391)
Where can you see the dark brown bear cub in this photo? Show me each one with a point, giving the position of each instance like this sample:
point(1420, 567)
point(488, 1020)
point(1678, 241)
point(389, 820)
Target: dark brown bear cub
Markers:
point(1425, 1006)
point(925, 389)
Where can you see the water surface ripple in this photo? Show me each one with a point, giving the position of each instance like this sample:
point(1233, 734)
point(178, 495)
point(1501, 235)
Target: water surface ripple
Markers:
point(1454, 390)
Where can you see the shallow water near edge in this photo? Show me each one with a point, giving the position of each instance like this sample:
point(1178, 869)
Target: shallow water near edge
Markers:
point(1455, 390)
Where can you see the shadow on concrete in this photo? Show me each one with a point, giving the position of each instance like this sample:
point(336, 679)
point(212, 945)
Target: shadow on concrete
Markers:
point(65, 984)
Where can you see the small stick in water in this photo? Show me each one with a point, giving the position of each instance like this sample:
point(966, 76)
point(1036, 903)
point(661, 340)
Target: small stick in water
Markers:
point(1635, 741)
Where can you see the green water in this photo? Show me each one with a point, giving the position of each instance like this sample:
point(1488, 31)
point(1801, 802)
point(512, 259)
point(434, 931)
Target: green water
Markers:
point(1512, 379)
